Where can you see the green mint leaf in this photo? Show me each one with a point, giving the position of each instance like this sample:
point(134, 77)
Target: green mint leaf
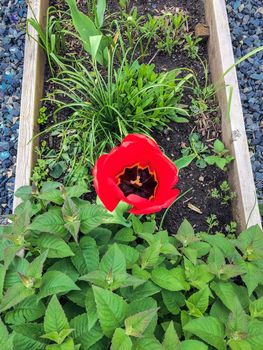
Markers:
point(55, 318)
point(256, 308)
point(185, 234)
point(171, 340)
point(86, 255)
point(90, 306)
point(113, 261)
point(28, 336)
point(57, 247)
point(219, 146)
point(137, 306)
point(125, 235)
point(150, 256)
point(55, 282)
point(50, 222)
point(36, 266)
point(91, 216)
point(250, 242)
point(111, 308)
point(237, 325)
point(131, 255)
point(14, 295)
point(65, 266)
point(209, 329)
point(120, 340)
point(136, 324)
point(83, 334)
point(200, 301)
point(148, 343)
point(27, 311)
point(193, 345)
point(173, 280)
point(173, 301)
point(52, 195)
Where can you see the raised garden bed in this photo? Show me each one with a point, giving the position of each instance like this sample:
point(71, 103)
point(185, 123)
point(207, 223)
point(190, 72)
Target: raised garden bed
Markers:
point(245, 208)
point(157, 261)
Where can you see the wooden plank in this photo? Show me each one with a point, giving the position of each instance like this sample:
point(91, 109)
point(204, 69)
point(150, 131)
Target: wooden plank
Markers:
point(221, 57)
point(32, 90)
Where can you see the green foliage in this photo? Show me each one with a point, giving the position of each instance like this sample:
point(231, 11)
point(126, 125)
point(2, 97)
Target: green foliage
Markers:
point(191, 46)
point(109, 286)
point(94, 42)
point(223, 193)
point(165, 31)
point(52, 38)
point(132, 98)
point(200, 152)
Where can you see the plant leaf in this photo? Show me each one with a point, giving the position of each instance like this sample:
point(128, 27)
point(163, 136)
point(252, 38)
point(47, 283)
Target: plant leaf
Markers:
point(209, 329)
point(83, 334)
point(57, 247)
point(55, 318)
point(54, 282)
point(50, 222)
point(120, 340)
point(14, 295)
point(136, 324)
point(171, 340)
point(111, 309)
point(27, 311)
point(113, 261)
point(173, 280)
point(86, 255)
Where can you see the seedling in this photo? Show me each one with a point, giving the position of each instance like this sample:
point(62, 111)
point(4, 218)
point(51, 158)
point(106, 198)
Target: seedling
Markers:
point(231, 229)
point(212, 222)
point(221, 157)
point(191, 46)
point(198, 149)
point(223, 193)
point(43, 117)
point(171, 31)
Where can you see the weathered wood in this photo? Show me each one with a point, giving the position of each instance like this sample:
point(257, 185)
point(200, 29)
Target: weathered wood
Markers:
point(202, 30)
point(32, 89)
point(221, 57)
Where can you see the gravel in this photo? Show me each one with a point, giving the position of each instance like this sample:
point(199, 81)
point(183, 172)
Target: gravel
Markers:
point(246, 24)
point(12, 35)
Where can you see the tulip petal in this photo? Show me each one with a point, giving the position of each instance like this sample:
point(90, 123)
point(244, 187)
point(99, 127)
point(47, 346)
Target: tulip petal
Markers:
point(134, 150)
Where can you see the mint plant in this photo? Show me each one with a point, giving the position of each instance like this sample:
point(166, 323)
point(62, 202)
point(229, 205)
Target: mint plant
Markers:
point(75, 276)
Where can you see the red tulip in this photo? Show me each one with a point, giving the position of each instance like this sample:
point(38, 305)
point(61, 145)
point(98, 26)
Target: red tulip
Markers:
point(138, 173)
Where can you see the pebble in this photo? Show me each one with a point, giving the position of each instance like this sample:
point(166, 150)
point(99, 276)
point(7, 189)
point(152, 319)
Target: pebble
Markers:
point(246, 25)
point(12, 34)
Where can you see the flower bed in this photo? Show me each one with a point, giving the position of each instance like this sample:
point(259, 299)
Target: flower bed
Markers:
point(155, 262)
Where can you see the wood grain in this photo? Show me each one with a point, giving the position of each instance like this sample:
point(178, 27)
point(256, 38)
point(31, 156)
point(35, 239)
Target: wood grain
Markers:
point(221, 57)
point(32, 90)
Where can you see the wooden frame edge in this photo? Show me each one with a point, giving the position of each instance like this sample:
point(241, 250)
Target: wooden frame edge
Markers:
point(221, 57)
point(32, 90)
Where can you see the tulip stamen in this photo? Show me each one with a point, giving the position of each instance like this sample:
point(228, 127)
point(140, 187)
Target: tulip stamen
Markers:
point(137, 181)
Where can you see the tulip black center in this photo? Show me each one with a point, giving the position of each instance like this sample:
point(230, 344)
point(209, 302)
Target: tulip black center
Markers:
point(139, 181)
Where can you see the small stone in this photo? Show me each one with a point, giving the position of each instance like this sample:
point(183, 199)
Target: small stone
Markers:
point(201, 178)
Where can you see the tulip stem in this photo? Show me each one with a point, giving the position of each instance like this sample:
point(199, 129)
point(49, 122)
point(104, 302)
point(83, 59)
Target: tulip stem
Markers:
point(167, 209)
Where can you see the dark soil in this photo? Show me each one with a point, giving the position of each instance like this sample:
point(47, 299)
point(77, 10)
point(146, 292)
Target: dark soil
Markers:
point(172, 139)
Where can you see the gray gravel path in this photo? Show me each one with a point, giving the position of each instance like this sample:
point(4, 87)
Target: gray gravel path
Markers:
point(246, 24)
point(12, 34)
